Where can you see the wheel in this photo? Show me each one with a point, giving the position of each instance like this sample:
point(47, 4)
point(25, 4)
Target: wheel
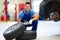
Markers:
point(14, 31)
point(54, 16)
point(27, 35)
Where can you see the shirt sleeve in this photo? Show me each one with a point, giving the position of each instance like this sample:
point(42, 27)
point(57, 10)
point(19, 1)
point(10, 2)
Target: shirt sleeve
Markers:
point(32, 12)
point(20, 15)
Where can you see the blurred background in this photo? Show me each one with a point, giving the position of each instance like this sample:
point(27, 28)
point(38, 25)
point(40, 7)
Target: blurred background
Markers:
point(46, 9)
point(9, 9)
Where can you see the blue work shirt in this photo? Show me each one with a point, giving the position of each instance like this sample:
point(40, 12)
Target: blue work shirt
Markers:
point(26, 16)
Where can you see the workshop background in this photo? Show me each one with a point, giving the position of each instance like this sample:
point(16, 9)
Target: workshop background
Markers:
point(9, 9)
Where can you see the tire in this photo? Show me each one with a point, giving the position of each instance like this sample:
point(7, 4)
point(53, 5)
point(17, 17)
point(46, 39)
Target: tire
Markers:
point(50, 6)
point(14, 31)
point(27, 35)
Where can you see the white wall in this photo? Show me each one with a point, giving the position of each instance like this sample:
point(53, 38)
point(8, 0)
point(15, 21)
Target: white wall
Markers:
point(1, 6)
point(35, 5)
point(11, 7)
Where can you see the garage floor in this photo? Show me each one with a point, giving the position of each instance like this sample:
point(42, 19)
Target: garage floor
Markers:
point(47, 30)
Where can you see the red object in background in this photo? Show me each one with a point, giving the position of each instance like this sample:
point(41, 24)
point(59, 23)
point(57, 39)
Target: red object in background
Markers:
point(6, 10)
point(15, 12)
point(6, 6)
point(2, 18)
point(21, 6)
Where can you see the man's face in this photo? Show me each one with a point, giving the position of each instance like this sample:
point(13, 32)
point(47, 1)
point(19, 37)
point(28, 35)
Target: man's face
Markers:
point(27, 7)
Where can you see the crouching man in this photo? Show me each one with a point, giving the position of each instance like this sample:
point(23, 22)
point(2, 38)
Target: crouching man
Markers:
point(28, 15)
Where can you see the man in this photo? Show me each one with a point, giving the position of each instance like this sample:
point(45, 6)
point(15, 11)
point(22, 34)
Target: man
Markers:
point(28, 15)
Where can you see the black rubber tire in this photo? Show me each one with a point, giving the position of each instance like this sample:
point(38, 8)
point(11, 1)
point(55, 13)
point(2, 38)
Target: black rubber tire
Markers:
point(14, 31)
point(27, 35)
point(50, 6)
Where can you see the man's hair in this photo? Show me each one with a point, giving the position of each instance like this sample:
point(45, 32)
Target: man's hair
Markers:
point(27, 3)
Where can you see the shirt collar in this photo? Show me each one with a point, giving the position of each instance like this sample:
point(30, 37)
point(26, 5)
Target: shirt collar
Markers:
point(25, 12)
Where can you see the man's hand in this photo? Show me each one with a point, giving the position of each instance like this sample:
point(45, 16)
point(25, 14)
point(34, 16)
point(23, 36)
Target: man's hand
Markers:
point(34, 17)
point(26, 23)
point(30, 22)
point(18, 20)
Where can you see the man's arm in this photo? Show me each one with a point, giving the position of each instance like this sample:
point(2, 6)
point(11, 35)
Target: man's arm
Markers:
point(18, 20)
point(35, 17)
point(20, 16)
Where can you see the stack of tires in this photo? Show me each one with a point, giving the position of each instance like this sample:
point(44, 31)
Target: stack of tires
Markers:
point(18, 32)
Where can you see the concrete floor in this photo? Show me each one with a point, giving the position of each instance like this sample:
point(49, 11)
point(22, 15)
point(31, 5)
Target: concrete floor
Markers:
point(47, 30)
point(49, 38)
